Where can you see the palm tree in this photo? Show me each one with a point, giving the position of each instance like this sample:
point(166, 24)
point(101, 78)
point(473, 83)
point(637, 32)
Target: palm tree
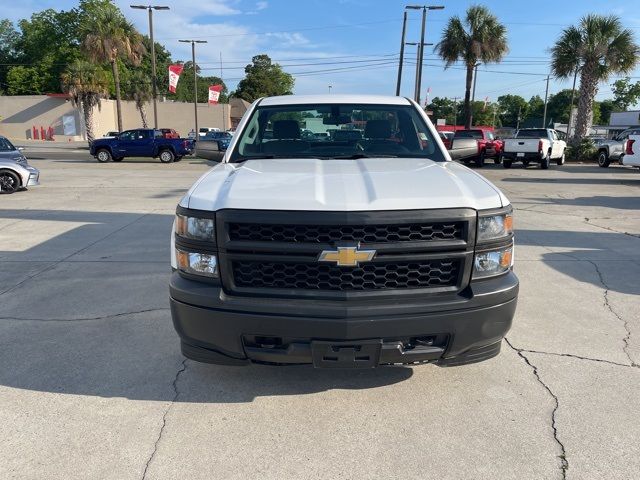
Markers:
point(87, 85)
point(484, 40)
point(108, 36)
point(598, 48)
point(139, 90)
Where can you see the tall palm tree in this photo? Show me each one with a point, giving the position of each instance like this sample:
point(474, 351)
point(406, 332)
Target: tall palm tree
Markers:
point(108, 36)
point(598, 48)
point(139, 90)
point(87, 85)
point(483, 40)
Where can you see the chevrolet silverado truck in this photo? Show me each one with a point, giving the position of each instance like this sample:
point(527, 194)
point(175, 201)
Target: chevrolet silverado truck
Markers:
point(486, 145)
point(538, 145)
point(346, 253)
point(142, 142)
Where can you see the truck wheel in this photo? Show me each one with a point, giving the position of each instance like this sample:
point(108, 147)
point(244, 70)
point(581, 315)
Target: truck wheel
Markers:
point(103, 155)
point(167, 156)
point(560, 161)
point(480, 159)
point(544, 163)
point(603, 159)
point(498, 160)
point(507, 163)
point(9, 182)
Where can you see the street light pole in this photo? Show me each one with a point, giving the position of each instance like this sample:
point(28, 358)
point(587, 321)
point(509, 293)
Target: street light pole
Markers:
point(421, 45)
point(546, 97)
point(404, 29)
point(416, 88)
point(195, 80)
point(154, 84)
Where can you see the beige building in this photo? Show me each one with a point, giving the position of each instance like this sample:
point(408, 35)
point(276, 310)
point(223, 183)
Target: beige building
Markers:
point(20, 114)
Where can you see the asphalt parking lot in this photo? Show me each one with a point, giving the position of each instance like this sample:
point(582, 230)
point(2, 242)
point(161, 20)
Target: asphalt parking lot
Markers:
point(93, 385)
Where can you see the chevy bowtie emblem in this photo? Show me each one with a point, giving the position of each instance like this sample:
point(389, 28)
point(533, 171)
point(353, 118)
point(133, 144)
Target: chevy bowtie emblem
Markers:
point(347, 256)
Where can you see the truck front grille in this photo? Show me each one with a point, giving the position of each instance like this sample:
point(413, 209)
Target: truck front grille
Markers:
point(412, 232)
point(370, 276)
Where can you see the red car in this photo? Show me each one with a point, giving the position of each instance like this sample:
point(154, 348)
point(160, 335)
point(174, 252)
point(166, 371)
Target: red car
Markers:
point(488, 146)
point(169, 133)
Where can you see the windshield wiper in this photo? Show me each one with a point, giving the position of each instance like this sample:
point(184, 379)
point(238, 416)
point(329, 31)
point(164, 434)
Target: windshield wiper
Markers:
point(355, 156)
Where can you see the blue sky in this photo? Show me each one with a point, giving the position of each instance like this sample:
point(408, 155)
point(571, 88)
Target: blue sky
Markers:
point(358, 40)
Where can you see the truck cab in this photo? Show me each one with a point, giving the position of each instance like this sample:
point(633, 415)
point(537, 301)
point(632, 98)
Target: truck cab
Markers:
point(345, 252)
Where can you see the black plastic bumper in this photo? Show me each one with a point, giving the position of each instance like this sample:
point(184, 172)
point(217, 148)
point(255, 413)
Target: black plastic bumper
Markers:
point(444, 329)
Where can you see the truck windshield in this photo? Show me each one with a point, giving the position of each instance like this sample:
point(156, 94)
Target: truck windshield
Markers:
point(469, 134)
point(336, 131)
point(533, 133)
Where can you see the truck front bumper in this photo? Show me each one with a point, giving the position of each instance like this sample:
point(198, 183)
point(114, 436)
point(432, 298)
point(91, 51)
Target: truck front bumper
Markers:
point(447, 329)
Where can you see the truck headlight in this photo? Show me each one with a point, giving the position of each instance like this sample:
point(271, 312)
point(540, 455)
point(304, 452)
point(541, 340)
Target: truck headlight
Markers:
point(195, 228)
point(203, 264)
point(494, 227)
point(493, 262)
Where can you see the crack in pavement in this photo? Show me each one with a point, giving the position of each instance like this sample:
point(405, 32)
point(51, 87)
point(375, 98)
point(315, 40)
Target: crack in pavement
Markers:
point(564, 463)
point(578, 357)
point(86, 319)
point(589, 222)
point(627, 337)
point(176, 394)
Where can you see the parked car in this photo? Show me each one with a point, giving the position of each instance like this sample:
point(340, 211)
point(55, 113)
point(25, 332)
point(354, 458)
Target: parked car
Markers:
point(538, 145)
point(202, 131)
point(631, 155)
point(613, 150)
point(487, 145)
point(15, 171)
point(339, 254)
point(169, 133)
point(213, 145)
point(143, 142)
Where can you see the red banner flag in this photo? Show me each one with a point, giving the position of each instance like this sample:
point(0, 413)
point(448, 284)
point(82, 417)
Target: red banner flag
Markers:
point(214, 93)
point(174, 76)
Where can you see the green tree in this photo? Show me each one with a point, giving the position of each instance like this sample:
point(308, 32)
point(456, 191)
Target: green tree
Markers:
point(484, 40)
point(625, 93)
point(86, 84)
point(606, 108)
point(535, 109)
point(9, 37)
point(137, 88)
point(263, 79)
point(483, 113)
point(23, 80)
point(446, 108)
point(512, 109)
point(108, 36)
point(559, 106)
point(598, 47)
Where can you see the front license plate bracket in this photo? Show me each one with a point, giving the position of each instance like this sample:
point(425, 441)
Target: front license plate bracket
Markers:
point(355, 354)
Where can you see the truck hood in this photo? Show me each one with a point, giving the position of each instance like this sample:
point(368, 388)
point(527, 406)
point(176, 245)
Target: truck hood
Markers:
point(342, 185)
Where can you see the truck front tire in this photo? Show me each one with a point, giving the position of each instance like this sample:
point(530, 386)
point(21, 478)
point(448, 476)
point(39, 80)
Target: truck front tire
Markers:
point(480, 159)
point(507, 163)
point(167, 156)
point(603, 159)
point(560, 161)
point(103, 155)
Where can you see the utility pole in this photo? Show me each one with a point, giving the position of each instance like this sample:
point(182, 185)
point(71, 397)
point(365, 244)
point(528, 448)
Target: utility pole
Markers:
point(518, 119)
point(329, 89)
point(154, 85)
point(416, 88)
point(421, 45)
point(224, 126)
point(546, 96)
point(195, 80)
point(455, 111)
point(404, 30)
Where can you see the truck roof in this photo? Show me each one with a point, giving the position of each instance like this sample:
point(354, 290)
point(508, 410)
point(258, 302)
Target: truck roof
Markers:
point(332, 98)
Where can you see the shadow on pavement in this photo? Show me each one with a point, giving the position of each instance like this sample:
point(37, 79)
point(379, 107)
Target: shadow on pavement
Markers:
point(618, 202)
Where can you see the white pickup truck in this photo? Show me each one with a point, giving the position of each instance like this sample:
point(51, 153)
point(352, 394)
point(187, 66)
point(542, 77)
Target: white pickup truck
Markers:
point(346, 252)
point(631, 155)
point(538, 145)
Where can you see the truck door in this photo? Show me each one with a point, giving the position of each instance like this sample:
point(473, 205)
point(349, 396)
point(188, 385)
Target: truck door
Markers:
point(556, 148)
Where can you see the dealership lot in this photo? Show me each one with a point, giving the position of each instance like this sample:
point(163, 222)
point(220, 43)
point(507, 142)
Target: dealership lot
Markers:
point(93, 384)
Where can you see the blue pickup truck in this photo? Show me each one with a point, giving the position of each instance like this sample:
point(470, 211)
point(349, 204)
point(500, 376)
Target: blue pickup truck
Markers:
point(142, 142)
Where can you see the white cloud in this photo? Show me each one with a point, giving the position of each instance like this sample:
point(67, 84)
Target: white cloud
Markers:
point(261, 5)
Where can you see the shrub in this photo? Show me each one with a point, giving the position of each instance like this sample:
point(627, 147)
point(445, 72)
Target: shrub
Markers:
point(585, 151)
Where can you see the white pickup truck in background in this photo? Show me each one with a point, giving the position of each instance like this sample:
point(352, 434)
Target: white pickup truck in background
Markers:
point(631, 155)
point(539, 145)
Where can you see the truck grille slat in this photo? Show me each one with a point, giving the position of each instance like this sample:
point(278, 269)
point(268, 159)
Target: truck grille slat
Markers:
point(411, 232)
point(370, 276)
